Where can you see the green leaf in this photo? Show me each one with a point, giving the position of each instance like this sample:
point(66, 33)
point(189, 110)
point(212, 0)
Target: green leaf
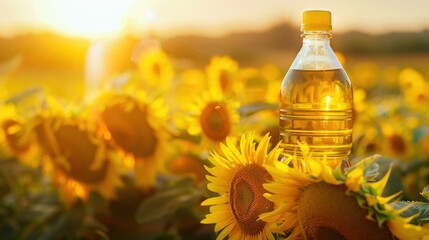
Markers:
point(418, 209)
point(26, 94)
point(361, 201)
point(371, 171)
point(92, 229)
point(381, 218)
point(183, 135)
point(163, 205)
point(250, 109)
point(425, 192)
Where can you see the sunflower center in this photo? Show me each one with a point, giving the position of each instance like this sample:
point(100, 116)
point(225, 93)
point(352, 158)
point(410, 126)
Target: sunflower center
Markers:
point(325, 233)
point(326, 212)
point(215, 121)
point(79, 151)
point(247, 200)
point(131, 130)
point(156, 69)
point(397, 143)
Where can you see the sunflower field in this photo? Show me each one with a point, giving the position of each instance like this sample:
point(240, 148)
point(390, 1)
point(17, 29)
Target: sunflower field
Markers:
point(162, 151)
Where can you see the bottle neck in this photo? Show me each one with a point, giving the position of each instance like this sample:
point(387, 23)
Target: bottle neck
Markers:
point(316, 52)
point(319, 37)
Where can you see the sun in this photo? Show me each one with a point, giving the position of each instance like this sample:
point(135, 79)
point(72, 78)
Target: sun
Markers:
point(90, 19)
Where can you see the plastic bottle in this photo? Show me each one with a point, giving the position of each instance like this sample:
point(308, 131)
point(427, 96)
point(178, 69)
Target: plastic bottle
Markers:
point(316, 96)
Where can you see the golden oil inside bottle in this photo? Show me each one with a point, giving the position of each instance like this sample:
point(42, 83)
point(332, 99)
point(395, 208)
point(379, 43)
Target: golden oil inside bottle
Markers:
point(317, 108)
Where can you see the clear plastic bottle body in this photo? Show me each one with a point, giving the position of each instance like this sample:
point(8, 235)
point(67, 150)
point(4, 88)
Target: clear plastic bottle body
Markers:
point(316, 103)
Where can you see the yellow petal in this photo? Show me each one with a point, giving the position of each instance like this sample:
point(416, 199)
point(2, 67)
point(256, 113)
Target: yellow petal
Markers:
point(215, 200)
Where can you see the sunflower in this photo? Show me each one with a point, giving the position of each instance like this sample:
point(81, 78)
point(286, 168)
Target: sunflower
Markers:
point(410, 79)
point(423, 145)
point(191, 80)
point(417, 98)
point(326, 203)
point(397, 140)
point(255, 86)
point(136, 125)
point(213, 117)
point(368, 140)
point(156, 69)
point(237, 176)
point(16, 137)
point(390, 76)
point(78, 159)
point(364, 113)
point(414, 88)
point(222, 74)
point(188, 163)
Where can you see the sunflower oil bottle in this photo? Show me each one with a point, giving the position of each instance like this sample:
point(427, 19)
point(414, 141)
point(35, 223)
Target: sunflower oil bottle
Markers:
point(316, 102)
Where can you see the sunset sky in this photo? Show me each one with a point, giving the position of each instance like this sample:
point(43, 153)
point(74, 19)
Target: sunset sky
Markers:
point(95, 18)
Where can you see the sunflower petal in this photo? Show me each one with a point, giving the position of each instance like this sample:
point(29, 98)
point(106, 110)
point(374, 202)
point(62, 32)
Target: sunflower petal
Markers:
point(215, 200)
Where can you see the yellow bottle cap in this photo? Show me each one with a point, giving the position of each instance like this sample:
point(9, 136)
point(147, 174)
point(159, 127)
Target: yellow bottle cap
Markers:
point(316, 20)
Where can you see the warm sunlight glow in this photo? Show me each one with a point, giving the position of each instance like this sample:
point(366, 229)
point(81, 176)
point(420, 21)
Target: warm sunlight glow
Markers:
point(150, 15)
point(95, 18)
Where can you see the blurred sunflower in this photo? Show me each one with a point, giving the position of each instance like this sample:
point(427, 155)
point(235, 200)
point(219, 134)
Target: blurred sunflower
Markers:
point(222, 74)
point(137, 126)
point(364, 116)
point(417, 98)
point(237, 176)
point(80, 161)
point(16, 138)
point(255, 86)
point(415, 89)
point(365, 75)
point(273, 75)
point(396, 140)
point(390, 76)
point(410, 78)
point(423, 145)
point(359, 100)
point(191, 81)
point(326, 203)
point(188, 163)
point(156, 69)
point(367, 142)
point(213, 117)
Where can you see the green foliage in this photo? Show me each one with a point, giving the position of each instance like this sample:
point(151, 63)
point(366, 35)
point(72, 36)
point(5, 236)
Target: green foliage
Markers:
point(250, 109)
point(164, 204)
point(418, 210)
point(31, 210)
point(175, 206)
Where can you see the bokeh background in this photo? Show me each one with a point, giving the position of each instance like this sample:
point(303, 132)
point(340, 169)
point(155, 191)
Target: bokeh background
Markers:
point(71, 51)
point(53, 37)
